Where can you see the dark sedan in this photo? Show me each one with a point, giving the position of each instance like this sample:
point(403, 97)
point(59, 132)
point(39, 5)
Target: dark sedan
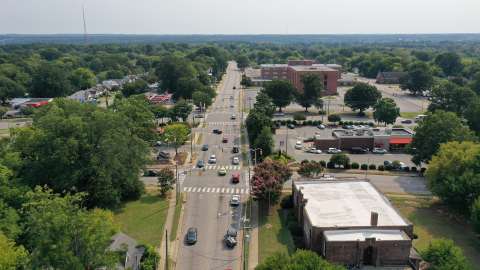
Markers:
point(191, 237)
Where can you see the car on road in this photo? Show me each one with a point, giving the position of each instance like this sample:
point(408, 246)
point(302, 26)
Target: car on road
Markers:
point(222, 172)
point(406, 121)
point(205, 147)
point(212, 159)
point(235, 161)
point(377, 150)
point(231, 105)
point(235, 149)
point(225, 140)
point(359, 150)
point(199, 115)
point(333, 151)
point(217, 131)
point(321, 126)
point(230, 237)
point(291, 126)
point(231, 97)
point(235, 200)
point(234, 87)
point(200, 164)
point(314, 150)
point(192, 236)
point(235, 178)
point(299, 145)
point(233, 117)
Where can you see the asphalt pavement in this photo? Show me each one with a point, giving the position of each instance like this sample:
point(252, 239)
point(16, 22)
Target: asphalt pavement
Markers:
point(208, 194)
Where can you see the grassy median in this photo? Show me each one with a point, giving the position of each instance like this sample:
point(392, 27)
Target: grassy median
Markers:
point(144, 219)
point(432, 220)
point(176, 219)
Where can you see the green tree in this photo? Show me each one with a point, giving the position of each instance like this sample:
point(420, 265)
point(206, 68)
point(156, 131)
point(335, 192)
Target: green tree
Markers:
point(453, 174)
point(170, 69)
point(264, 141)
point(82, 78)
point(166, 179)
point(312, 91)
point(340, 159)
point(246, 81)
point(50, 80)
point(13, 256)
point(443, 254)
point(386, 111)
point(139, 115)
point(10, 89)
point(242, 61)
point(181, 110)
point(281, 92)
point(150, 259)
point(334, 118)
point(419, 78)
point(475, 83)
point(450, 63)
point(79, 147)
point(175, 135)
point(451, 97)
point(475, 214)
point(63, 235)
point(471, 115)
point(9, 221)
point(301, 259)
point(310, 168)
point(255, 123)
point(201, 99)
point(134, 88)
point(264, 104)
point(361, 97)
point(437, 128)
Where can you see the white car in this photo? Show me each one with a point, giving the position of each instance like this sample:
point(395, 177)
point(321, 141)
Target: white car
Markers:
point(333, 151)
point(235, 161)
point(235, 200)
point(314, 150)
point(212, 159)
point(379, 151)
point(233, 117)
point(298, 145)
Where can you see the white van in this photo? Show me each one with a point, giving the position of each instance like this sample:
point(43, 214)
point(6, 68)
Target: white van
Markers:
point(299, 145)
point(420, 117)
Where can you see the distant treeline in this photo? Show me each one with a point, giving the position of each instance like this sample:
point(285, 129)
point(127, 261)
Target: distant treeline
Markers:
point(279, 39)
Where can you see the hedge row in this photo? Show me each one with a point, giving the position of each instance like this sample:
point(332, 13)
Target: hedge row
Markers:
point(364, 166)
point(298, 123)
point(356, 123)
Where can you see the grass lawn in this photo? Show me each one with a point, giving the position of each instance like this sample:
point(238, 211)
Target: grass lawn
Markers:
point(273, 234)
point(410, 115)
point(431, 221)
point(144, 219)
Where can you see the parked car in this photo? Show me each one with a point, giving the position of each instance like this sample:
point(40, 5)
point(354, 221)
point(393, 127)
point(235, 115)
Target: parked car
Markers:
point(200, 115)
point(192, 235)
point(222, 172)
point(233, 117)
point(333, 151)
point(420, 117)
point(406, 121)
point(359, 150)
point(217, 131)
point(314, 150)
point(200, 164)
point(321, 126)
point(348, 127)
point(150, 173)
point(235, 161)
point(231, 97)
point(379, 151)
point(205, 147)
point(235, 149)
point(291, 126)
point(225, 140)
point(235, 178)
point(299, 145)
point(212, 159)
point(279, 114)
point(235, 200)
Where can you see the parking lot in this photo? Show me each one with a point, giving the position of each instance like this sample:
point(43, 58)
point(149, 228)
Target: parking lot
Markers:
point(293, 135)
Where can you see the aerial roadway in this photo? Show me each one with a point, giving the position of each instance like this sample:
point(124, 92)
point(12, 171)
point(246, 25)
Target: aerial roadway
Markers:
point(210, 210)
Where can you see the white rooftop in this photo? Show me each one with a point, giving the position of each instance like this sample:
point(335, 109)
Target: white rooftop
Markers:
point(361, 235)
point(346, 204)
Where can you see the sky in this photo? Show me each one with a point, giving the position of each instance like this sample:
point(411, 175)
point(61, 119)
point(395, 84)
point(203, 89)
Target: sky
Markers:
point(240, 17)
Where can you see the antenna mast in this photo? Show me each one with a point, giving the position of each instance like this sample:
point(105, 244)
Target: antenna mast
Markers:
point(84, 26)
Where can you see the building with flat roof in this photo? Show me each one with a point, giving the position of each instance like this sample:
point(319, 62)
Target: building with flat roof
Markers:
point(352, 223)
point(295, 69)
point(390, 139)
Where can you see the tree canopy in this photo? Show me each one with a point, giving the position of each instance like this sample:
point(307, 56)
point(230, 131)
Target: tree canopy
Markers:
point(50, 80)
point(386, 111)
point(361, 97)
point(419, 78)
point(281, 92)
point(451, 97)
point(312, 91)
point(443, 254)
point(301, 259)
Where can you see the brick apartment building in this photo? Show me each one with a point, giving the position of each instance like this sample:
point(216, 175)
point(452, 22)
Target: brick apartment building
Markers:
point(352, 223)
point(295, 69)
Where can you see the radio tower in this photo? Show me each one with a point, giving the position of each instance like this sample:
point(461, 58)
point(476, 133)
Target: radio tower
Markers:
point(84, 26)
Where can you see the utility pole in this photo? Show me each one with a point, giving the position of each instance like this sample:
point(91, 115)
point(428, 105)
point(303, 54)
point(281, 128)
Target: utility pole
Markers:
point(286, 143)
point(177, 183)
point(166, 250)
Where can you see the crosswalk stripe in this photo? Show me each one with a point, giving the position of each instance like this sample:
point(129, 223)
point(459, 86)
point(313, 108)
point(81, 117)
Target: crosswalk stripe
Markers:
point(208, 189)
point(223, 190)
point(203, 189)
point(194, 189)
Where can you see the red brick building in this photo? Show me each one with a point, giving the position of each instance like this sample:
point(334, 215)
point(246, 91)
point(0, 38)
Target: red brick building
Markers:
point(295, 69)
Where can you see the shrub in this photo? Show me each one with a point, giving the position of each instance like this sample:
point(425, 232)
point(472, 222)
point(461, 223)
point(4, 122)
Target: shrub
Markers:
point(283, 122)
point(475, 215)
point(355, 165)
point(295, 229)
point(331, 165)
point(334, 118)
point(372, 167)
point(347, 166)
point(287, 202)
point(413, 169)
point(298, 116)
point(364, 167)
point(341, 123)
point(322, 112)
point(381, 168)
point(407, 169)
point(422, 170)
point(323, 163)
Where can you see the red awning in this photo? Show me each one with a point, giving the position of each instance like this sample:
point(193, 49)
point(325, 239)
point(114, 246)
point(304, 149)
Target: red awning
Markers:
point(400, 140)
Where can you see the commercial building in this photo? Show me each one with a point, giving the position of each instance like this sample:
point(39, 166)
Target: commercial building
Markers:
point(295, 69)
point(393, 139)
point(352, 223)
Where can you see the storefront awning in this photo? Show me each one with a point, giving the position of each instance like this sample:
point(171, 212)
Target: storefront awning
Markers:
point(400, 140)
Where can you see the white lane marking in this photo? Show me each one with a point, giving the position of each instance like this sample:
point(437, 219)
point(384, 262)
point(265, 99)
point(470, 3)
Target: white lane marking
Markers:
point(208, 189)
point(203, 189)
point(185, 189)
point(194, 189)
point(223, 190)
